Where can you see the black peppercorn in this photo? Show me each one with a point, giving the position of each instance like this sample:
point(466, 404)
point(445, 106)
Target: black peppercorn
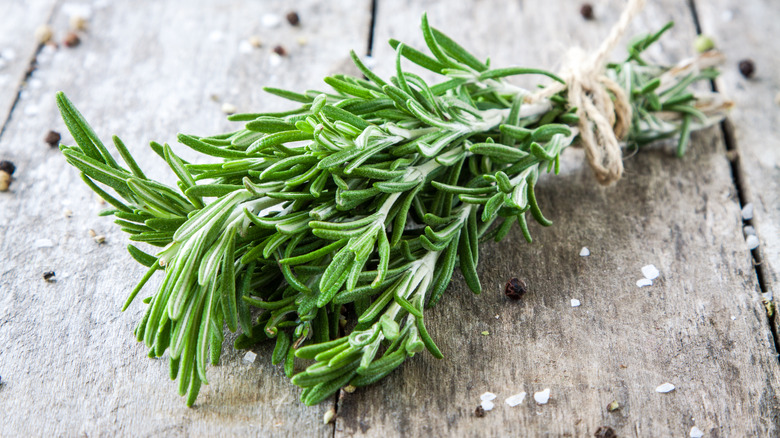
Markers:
point(747, 68)
point(605, 432)
point(586, 10)
point(279, 50)
point(515, 288)
point(479, 412)
point(293, 18)
point(71, 40)
point(7, 167)
point(53, 138)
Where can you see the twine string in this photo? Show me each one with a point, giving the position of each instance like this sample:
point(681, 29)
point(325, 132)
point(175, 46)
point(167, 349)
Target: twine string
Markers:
point(602, 105)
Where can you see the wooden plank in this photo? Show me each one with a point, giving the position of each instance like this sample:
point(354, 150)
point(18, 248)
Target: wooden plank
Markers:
point(701, 326)
point(145, 70)
point(19, 20)
point(746, 30)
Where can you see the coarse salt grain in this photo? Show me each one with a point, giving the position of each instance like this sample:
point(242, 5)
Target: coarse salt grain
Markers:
point(752, 242)
point(733, 318)
point(487, 396)
point(542, 397)
point(749, 230)
point(650, 272)
point(369, 61)
point(82, 10)
point(271, 20)
point(642, 282)
point(216, 36)
point(515, 400)
point(8, 54)
point(666, 387)
point(747, 211)
point(245, 47)
point(250, 357)
point(43, 243)
point(487, 405)
point(329, 416)
point(575, 302)
point(274, 60)
point(696, 432)
point(229, 108)
point(584, 252)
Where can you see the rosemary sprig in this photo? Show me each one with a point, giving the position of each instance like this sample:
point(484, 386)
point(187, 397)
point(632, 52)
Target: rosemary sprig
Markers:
point(366, 198)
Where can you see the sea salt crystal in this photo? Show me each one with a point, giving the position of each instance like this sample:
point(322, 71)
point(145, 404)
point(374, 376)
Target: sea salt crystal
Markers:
point(274, 60)
point(229, 108)
point(747, 211)
point(245, 47)
point(752, 242)
point(329, 416)
point(487, 405)
point(733, 318)
point(487, 396)
point(271, 20)
point(82, 10)
point(43, 243)
point(250, 357)
point(749, 230)
point(575, 302)
point(696, 432)
point(542, 397)
point(650, 272)
point(584, 252)
point(666, 387)
point(516, 399)
point(8, 54)
point(369, 61)
point(216, 36)
point(642, 282)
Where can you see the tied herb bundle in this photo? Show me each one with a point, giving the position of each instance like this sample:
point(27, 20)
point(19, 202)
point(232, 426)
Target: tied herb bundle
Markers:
point(362, 201)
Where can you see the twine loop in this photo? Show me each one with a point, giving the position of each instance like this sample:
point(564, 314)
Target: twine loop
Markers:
point(603, 107)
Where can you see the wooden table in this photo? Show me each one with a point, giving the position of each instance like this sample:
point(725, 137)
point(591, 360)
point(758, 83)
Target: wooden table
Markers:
point(146, 70)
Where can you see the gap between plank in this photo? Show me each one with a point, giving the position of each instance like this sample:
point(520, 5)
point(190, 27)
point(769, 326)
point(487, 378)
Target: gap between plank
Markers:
point(743, 194)
point(31, 67)
point(372, 27)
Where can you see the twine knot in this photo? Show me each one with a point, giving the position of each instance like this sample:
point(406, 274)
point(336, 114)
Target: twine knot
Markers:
point(603, 107)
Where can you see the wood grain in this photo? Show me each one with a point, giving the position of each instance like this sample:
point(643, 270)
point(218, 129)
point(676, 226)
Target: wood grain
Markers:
point(748, 30)
point(145, 70)
point(701, 326)
point(18, 46)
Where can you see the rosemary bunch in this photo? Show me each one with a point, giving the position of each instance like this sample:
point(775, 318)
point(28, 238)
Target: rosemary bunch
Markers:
point(363, 198)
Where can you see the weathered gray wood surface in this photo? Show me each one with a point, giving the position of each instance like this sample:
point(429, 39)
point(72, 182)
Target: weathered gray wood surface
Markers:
point(748, 30)
point(18, 21)
point(681, 215)
point(147, 70)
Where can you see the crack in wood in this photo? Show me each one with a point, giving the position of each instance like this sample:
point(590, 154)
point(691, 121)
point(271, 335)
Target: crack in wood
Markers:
point(743, 194)
point(31, 66)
